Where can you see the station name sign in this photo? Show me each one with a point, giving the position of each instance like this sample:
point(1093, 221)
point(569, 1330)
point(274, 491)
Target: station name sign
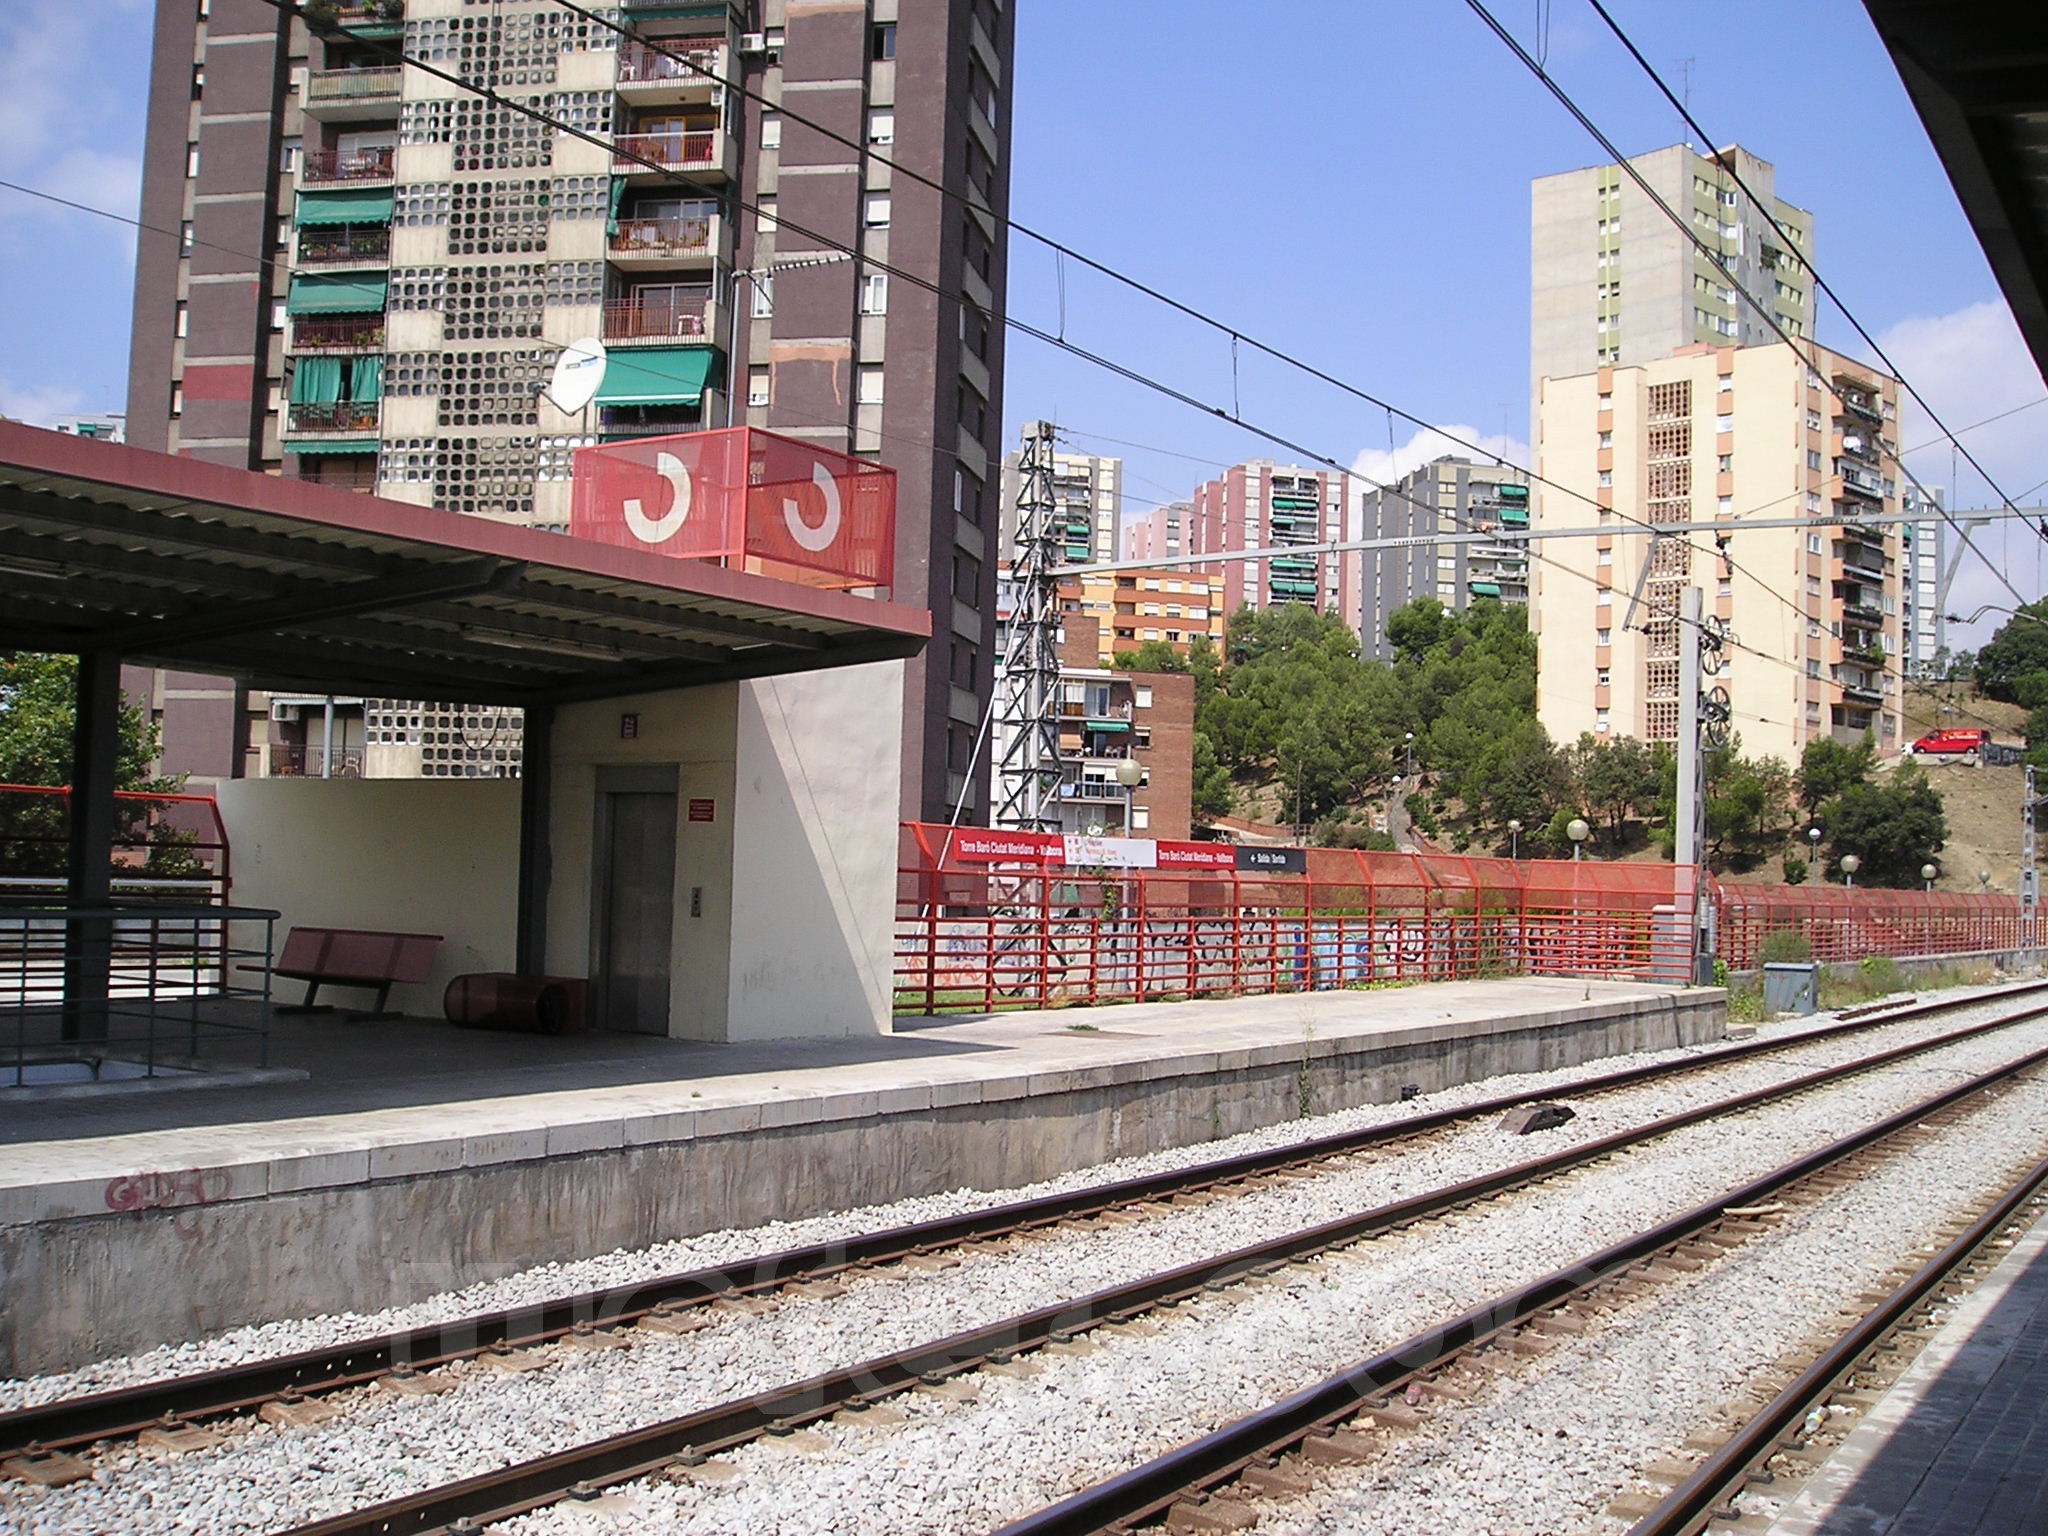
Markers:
point(976, 846)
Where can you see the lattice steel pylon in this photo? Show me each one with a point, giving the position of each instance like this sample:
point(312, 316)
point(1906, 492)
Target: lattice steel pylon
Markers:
point(1028, 773)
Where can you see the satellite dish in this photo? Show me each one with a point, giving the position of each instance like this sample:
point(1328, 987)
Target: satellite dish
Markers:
point(578, 372)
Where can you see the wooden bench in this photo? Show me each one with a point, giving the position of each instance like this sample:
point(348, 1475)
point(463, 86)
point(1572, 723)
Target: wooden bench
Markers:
point(352, 957)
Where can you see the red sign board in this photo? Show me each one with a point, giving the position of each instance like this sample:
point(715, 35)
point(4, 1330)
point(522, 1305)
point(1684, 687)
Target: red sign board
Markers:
point(974, 845)
point(703, 810)
point(749, 499)
point(1197, 856)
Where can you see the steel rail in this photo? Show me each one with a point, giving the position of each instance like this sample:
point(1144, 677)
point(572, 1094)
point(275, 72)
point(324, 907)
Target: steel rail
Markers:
point(1147, 1491)
point(78, 1421)
point(1692, 1502)
point(519, 1489)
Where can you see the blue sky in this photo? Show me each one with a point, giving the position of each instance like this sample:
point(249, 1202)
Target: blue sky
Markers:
point(1345, 179)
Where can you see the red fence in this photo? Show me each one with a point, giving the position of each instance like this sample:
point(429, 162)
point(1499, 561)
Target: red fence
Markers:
point(986, 921)
point(166, 847)
point(1842, 923)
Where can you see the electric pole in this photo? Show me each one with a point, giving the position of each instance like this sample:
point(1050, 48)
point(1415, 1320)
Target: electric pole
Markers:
point(2030, 882)
point(1028, 776)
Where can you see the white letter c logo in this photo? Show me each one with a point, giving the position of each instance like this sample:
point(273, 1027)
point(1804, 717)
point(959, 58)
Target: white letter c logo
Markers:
point(651, 530)
point(815, 539)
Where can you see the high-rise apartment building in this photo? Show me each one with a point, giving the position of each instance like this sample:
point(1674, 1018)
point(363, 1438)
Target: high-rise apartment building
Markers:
point(1088, 501)
point(1172, 606)
point(1923, 550)
point(1261, 505)
point(1448, 495)
point(1612, 282)
point(376, 270)
point(1159, 532)
point(1710, 435)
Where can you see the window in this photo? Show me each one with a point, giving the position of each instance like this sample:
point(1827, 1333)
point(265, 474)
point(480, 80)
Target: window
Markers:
point(881, 127)
point(874, 293)
point(771, 130)
point(1725, 505)
point(966, 575)
point(1144, 695)
point(277, 312)
point(1603, 637)
point(869, 390)
point(763, 286)
point(191, 160)
point(1600, 721)
point(1606, 477)
point(177, 399)
point(1813, 544)
point(1141, 818)
point(882, 41)
point(181, 321)
point(1724, 423)
point(875, 213)
point(198, 80)
point(1724, 383)
point(967, 495)
point(757, 385)
point(1812, 459)
point(1606, 557)
point(185, 237)
point(1603, 677)
point(288, 159)
point(1606, 400)
point(1726, 463)
point(1606, 439)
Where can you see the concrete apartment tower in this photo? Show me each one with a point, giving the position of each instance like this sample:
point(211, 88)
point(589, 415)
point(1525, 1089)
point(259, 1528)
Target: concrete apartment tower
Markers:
point(1448, 495)
point(1159, 531)
point(377, 269)
point(1088, 497)
point(1710, 435)
point(1612, 282)
point(1259, 505)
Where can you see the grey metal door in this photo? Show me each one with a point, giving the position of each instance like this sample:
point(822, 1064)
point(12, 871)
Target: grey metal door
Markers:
point(638, 911)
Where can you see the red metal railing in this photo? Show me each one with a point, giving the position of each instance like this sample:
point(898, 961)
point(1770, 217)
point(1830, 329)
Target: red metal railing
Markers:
point(1843, 924)
point(640, 64)
point(669, 150)
point(338, 333)
point(341, 416)
point(166, 847)
point(1033, 932)
point(656, 320)
point(662, 237)
point(347, 165)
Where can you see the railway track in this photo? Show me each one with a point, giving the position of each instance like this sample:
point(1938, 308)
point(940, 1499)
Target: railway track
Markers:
point(1216, 1482)
point(675, 1446)
point(282, 1386)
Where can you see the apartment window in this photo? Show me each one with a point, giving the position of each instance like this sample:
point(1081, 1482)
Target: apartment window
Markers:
point(972, 411)
point(875, 212)
point(1144, 695)
point(881, 127)
point(1812, 667)
point(757, 385)
point(874, 293)
point(1603, 637)
point(1606, 557)
point(198, 80)
point(870, 384)
point(882, 41)
point(185, 237)
point(1724, 423)
point(771, 130)
point(277, 313)
point(1813, 586)
point(1813, 501)
point(1606, 439)
point(1150, 634)
point(967, 495)
point(1606, 477)
point(963, 664)
point(1725, 505)
point(191, 160)
point(763, 286)
point(181, 321)
point(1603, 677)
point(1726, 589)
point(288, 159)
point(1606, 400)
point(1725, 463)
point(1600, 721)
point(774, 37)
point(177, 399)
point(1813, 544)
point(766, 207)
point(966, 574)
point(1724, 383)
point(1812, 459)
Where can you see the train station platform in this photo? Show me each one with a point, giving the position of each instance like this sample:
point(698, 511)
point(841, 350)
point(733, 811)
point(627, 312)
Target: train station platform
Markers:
point(1959, 1444)
point(383, 1162)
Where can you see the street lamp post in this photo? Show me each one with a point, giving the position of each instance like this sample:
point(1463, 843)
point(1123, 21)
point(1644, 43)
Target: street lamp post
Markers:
point(1578, 831)
point(1408, 744)
point(1850, 864)
point(1813, 869)
point(1927, 873)
point(1514, 838)
point(1130, 775)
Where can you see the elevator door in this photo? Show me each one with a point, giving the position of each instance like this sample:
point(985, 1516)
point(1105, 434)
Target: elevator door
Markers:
point(639, 910)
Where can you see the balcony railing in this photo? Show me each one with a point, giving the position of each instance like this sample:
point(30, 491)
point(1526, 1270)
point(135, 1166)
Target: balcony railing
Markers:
point(641, 65)
point(325, 165)
point(670, 151)
point(335, 85)
point(1856, 480)
point(664, 320)
point(299, 760)
point(341, 416)
point(338, 333)
point(662, 237)
point(332, 243)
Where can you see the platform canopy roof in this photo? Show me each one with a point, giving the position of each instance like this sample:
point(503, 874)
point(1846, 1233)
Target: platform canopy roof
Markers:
point(1978, 76)
point(295, 586)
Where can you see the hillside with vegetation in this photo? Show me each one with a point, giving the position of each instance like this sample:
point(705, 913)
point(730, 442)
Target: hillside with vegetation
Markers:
point(1294, 726)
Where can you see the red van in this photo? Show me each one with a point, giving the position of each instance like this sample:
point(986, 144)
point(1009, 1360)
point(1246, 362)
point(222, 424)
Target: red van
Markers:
point(1955, 743)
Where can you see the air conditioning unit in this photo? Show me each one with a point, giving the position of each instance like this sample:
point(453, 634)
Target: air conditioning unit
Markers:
point(285, 714)
point(753, 42)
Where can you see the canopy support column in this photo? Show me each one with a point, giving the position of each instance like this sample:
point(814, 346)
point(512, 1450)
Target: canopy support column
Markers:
point(95, 751)
point(536, 798)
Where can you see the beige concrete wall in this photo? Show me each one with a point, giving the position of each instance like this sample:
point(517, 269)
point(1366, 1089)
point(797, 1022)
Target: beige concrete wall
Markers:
point(785, 900)
point(419, 856)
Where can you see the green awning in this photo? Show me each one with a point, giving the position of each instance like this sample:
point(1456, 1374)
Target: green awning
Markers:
point(372, 207)
point(1109, 725)
point(657, 376)
point(1486, 589)
point(326, 446)
point(316, 381)
point(335, 295)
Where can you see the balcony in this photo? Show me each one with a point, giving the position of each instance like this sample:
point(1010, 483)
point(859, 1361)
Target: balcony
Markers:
point(297, 760)
point(635, 320)
point(1858, 686)
point(337, 333)
point(333, 245)
point(674, 72)
point(1859, 481)
point(354, 167)
point(350, 417)
point(1859, 401)
point(350, 95)
point(662, 242)
point(645, 153)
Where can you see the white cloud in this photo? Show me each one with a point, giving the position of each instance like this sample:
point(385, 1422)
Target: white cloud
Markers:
point(1384, 466)
point(44, 49)
point(37, 404)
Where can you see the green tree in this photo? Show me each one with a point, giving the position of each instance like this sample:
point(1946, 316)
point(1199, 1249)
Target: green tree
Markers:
point(1892, 828)
point(1829, 768)
point(1151, 656)
point(1415, 629)
point(1617, 778)
point(1212, 795)
point(2019, 648)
